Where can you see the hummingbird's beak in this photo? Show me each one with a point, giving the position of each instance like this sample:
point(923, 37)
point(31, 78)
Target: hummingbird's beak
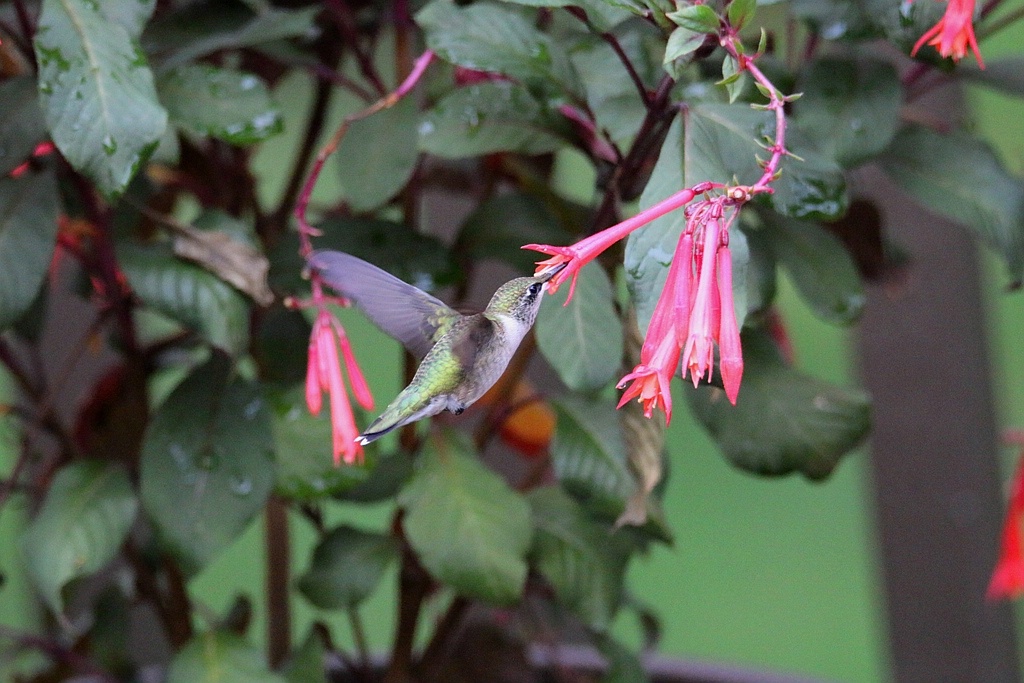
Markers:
point(551, 272)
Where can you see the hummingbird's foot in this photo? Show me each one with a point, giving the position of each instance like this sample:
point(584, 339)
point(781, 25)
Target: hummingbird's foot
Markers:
point(458, 410)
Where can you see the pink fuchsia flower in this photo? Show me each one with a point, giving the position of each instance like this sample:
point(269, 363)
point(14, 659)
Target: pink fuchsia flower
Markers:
point(730, 353)
point(1008, 576)
point(953, 33)
point(705, 315)
point(324, 373)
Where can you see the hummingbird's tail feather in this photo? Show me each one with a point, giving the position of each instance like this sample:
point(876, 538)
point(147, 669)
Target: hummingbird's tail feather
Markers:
point(401, 412)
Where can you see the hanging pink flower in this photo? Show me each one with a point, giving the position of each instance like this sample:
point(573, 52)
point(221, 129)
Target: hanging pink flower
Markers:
point(953, 33)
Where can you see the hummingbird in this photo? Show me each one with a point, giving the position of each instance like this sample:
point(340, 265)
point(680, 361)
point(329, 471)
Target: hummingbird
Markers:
point(462, 355)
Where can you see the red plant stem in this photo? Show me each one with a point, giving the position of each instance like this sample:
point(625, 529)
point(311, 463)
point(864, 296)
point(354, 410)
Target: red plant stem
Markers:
point(347, 26)
point(278, 546)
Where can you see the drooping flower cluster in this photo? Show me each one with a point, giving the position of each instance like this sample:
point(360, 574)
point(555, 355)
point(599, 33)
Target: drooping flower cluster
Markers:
point(953, 33)
point(694, 313)
point(1008, 576)
point(324, 374)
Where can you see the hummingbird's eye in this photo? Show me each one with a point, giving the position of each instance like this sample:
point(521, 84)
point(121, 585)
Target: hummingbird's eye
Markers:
point(534, 289)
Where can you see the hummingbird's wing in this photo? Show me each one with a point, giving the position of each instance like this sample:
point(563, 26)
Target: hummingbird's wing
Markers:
point(404, 312)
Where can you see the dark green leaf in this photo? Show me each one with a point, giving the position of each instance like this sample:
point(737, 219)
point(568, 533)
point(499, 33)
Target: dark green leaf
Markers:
point(497, 38)
point(740, 12)
point(346, 567)
point(378, 155)
point(468, 528)
point(589, 455)
point(960, 177)
point(230, 105)
point(783, 421)
point(602, 14)
point(306, 664)
point(302, 442)
point(22, 126)
point(582, 341)
point(96, 92)
point(281, 346)
point(418, 259)
point(132, 15)
point(696, 18)
point(200, 28)
point(822, 269)
point(28, 232)
point(220, 657)
point(502, 224)
point(206, 465)
point(388, 475)
point(650, 249)
point(575, 556)
point(722, 142)
point(84, 519)
point(850, 107)
point(682, 43)
point(188, 294)
point(493, 116)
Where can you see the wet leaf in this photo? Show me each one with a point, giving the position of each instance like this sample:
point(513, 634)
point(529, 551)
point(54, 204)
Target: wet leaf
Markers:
point(96, 92)
point(207, 465)
point(582, 341)
point(468, 528)
point(346, 566)
point(589, 455)
point(960, 177)
point(378, 155)
point(850, 107)
point(226, 104)
point(783, 421)
point(188, 294)
point(84, 519)
point(497, 38)
point(28, 233)
point(493, 116)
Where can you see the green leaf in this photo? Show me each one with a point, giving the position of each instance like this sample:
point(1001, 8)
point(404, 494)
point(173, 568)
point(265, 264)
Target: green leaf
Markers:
point(22, 126)
point(960, 177)
point(220, 657)
point(589, 455)
point(682, 42)
point(740, 12)
point(582, 341)
point(650, 249)
point(468, 528)
point(696, 18)
point(346, 567)
point(388, 475)
point(576, 557)
point(96, 92)
point(200, 28)
point(306, 664)
point(28, 233)
point(281, 346)
point(188, 294)
point(226, 104)
point(822, 269)
point(418, 259)
point(497, 38)
point(378, 155)
point(783, 421)
point(84, 519)
point(493, 116)
point(722, 142)
point(503, 223)
point(850, 107)
point(206, 467)
point(305, 465)
point(132, 15)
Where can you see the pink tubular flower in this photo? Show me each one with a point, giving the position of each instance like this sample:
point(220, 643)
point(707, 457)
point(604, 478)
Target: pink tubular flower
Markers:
point(323, 373)
point(730, 354)
point(699, 349)
point(953, 33)
point(1008, 576)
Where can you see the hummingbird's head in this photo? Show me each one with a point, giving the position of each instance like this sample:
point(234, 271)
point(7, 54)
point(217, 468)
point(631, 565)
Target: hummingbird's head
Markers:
point(520, 298)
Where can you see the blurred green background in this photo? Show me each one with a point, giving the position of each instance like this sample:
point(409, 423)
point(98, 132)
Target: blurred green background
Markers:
point(779, 574)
